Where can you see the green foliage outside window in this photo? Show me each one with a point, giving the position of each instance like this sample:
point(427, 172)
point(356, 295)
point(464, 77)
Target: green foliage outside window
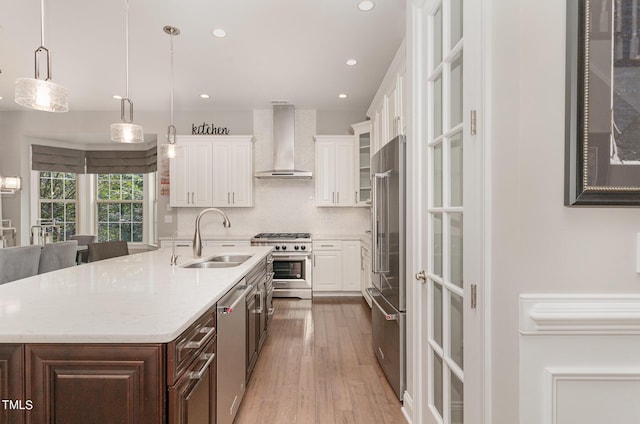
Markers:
point(58, 201)
point(120, 212)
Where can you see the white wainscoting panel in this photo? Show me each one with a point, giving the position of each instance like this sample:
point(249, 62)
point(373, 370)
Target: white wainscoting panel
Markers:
point(579, 359)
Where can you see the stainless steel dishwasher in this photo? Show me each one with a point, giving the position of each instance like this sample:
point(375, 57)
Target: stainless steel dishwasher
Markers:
point(232, 351)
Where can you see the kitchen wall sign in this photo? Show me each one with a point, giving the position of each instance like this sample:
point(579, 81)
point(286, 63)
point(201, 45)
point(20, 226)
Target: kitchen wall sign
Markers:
point(208, 129)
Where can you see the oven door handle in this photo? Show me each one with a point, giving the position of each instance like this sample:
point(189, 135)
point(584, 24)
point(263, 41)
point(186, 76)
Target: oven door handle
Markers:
point(293, 257)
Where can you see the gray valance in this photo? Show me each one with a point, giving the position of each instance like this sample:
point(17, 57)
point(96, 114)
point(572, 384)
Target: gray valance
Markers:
point(122, 161)
point(57, 159)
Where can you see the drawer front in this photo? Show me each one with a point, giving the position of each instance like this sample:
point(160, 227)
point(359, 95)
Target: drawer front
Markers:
point(327, 245)
point(186, 348)
point(228, 243)
point(179, 243)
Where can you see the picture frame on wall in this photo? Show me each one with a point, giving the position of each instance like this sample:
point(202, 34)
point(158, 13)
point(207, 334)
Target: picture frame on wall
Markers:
point(602, 125)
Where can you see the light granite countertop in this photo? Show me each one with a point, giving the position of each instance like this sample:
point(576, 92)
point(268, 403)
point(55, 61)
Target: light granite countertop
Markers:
point(138, 298)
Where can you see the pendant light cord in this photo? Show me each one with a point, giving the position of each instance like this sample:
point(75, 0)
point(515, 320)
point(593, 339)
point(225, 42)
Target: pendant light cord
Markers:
point(171, 44)
point(42, 23)
point(126, 36)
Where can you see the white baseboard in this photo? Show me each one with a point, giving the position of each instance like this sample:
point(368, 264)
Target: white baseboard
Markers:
point(407, 407)
point(337, 294)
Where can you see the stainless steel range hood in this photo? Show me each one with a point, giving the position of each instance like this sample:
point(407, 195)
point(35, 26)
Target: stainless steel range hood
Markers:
point(283, 146)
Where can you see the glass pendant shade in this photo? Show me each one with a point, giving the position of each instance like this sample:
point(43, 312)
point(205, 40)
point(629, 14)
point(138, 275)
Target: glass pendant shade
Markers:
point(41, 95)
point(124, 132)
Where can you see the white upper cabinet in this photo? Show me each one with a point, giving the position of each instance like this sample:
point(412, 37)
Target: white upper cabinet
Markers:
point(232, 173)
point(190, 174)
point(388, 106)
point(335, 173)
point(212, 171)
point(362, 151)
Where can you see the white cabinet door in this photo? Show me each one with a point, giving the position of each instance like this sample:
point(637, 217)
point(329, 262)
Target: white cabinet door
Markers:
point(241, 174)
point(190, 175)
point(221, 180)
point(351, 265)
point(327, 270)
point(325, 173)
point(335, 171)
point(362, 152)
point(344, 176)
point(199, 163)
point(365, 273)
point(232, 173)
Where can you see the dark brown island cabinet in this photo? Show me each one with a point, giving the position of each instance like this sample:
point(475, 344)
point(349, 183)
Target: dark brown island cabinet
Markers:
point(112, 383)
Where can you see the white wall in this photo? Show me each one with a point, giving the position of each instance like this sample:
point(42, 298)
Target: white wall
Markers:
point(538, 244)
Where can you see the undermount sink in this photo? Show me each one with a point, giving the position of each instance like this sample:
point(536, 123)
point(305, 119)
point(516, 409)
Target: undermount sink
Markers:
point(230, 258)
point(220, 261)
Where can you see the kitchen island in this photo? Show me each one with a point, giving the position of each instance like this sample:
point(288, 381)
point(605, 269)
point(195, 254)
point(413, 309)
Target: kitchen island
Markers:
point(107, 341)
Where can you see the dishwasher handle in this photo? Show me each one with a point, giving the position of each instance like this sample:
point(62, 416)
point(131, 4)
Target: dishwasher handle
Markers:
point(225, 310)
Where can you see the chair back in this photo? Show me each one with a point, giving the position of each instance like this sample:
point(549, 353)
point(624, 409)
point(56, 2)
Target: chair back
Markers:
point(57, 256)
point(84, 239)
point(107, 249)
point(18, 262)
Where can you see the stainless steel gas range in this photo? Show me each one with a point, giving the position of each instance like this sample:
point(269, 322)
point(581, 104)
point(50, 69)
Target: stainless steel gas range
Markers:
point(291, 263)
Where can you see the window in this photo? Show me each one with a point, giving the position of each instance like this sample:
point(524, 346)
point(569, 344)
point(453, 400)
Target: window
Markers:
point(58, 201)
point(120, 199)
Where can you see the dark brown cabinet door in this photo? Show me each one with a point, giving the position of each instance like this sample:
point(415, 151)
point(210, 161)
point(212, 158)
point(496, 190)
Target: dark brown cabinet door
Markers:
point(95, 383)
point(14, 404)
point(192, 400)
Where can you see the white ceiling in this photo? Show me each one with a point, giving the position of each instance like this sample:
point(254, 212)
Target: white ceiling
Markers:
point(292, 50)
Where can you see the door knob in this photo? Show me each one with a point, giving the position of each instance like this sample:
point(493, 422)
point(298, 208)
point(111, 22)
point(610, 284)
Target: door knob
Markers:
point(421, 276)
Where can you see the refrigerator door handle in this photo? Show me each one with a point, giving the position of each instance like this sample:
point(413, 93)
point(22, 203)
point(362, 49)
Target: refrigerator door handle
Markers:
point(381, 213)
point(387, 316)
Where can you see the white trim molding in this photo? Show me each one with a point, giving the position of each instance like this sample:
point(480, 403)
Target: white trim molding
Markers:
point(569, 385)
point(565, 314)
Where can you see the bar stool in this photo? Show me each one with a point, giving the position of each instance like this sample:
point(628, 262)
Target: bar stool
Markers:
point(18, 262)
point(56, 256)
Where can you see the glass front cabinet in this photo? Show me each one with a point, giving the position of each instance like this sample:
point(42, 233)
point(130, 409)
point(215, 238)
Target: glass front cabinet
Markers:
point(362, 144)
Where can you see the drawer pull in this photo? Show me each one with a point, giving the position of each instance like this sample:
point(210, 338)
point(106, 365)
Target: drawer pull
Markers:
point(198, 375)
point(210, 331)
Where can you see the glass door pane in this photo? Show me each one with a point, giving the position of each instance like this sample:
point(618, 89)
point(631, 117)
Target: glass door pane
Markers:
point(445, 215)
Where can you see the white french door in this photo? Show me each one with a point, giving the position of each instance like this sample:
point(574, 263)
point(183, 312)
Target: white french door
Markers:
point(450, 331)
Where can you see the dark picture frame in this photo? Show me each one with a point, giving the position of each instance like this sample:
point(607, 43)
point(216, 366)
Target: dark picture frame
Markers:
point(602, 133)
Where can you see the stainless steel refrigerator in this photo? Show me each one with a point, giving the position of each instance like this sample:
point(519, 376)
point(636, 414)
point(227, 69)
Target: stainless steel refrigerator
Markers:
point(388, 312)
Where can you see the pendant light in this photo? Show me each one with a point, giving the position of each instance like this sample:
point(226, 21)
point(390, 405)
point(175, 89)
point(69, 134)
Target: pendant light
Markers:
point(126, 131)
point(41, 94)
point(170, 149)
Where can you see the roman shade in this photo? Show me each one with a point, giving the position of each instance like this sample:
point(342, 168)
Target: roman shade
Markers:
point(57, 159)
point(121, 161)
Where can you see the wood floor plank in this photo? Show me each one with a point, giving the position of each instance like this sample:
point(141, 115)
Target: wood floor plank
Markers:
point(317, 366)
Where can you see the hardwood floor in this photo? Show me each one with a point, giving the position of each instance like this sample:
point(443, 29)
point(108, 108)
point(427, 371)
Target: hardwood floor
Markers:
point(318, 366)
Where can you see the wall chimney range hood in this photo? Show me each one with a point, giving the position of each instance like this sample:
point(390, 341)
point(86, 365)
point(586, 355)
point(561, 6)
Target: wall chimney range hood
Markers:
point(283, 146)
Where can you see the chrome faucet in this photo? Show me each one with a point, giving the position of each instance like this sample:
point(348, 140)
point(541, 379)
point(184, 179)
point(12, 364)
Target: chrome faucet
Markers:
point(174, 257)
point(197, 241)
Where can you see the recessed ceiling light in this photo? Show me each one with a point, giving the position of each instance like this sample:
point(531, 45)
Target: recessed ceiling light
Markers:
point(342, 96)
point(0, 97)
point(366, 5)
point(352, 62)
point(204, 96)
point(219, 33)
point(115, 96)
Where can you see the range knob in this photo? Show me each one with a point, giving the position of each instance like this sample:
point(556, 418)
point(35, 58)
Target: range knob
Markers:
point(296, 247)
point(303, 247)
point(284, 247)
point(277, 247)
